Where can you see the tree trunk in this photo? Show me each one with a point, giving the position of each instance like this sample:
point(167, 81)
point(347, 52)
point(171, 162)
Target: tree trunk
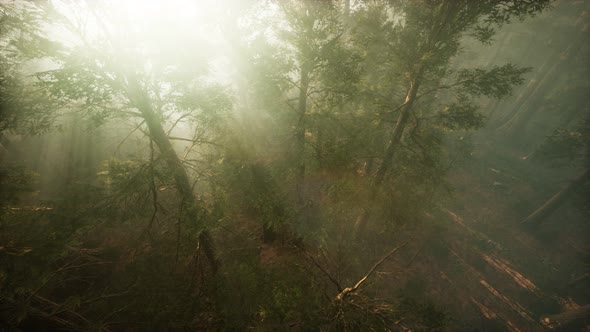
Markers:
point(396, 134)
point(390, 152)
point(300, 135)
point(555, 201)
point(190, 211)
point(320, 147)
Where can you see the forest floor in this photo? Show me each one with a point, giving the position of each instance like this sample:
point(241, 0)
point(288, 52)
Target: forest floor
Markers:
point(492, 272)
point(476, 262)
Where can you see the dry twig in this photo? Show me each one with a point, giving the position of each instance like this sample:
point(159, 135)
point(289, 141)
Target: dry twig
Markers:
point(348, 290)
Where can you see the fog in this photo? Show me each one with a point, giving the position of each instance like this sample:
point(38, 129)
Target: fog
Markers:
point(294, 165)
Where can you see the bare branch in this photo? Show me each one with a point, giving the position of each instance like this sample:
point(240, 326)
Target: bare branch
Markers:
point(293, 82)
point(347, 291)
point(176, 123)
point(442, 87)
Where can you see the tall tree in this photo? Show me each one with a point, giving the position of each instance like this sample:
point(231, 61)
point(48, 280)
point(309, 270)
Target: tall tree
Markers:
point(423, 38)
point(104, 75)
point(305, 62)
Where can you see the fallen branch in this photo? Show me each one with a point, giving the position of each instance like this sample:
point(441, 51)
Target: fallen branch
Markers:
point(347, 291)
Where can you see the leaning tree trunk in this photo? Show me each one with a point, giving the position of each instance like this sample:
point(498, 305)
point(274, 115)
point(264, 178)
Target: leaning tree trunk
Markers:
point(555, 201)
point(190, 211)
point(390, 152)
point(396, 134)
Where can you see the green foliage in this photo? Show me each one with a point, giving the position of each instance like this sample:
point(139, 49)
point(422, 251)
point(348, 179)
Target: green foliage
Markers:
point(460, 115)
point(250, 186)
point(13, 181)
point(294, 152)
point(85, 266)
point(23, 41)
point(496, 82)
point(564, 144)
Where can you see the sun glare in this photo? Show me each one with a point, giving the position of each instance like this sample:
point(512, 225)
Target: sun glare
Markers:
point(145, 25)
point(146, 11)
point(152, 34)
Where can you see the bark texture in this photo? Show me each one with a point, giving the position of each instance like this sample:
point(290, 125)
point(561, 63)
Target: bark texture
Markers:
point(190, 211)
point(390, 153)
point(300, 134)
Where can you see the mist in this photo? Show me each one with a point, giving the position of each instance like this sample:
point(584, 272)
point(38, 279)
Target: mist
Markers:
point(346, 165)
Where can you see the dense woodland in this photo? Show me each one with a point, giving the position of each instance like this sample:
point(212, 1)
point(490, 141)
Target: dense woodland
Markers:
point(343, 165)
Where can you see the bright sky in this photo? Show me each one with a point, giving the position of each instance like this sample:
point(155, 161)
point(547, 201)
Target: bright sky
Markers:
point(174, 30)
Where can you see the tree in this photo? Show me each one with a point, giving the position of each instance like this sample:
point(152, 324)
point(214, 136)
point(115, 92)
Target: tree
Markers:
point(301, 71)
point(22, 40)
point(424, 37)
point(103, 75)
point(341, 108)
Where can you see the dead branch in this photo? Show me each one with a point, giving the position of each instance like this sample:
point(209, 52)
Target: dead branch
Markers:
point(347, 291)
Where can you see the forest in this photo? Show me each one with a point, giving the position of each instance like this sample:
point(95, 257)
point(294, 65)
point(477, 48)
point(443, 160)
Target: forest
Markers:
point(294, 165)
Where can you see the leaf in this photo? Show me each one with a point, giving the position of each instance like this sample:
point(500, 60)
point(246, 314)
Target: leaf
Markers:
point(496, 82)
point(460, 115)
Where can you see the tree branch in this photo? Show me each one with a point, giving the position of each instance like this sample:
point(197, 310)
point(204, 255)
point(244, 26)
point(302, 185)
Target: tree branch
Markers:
point(319, 266)
point(129, 135)
point(442, 87)
point(176, 123)
point(343, 294)
point(193, 140)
